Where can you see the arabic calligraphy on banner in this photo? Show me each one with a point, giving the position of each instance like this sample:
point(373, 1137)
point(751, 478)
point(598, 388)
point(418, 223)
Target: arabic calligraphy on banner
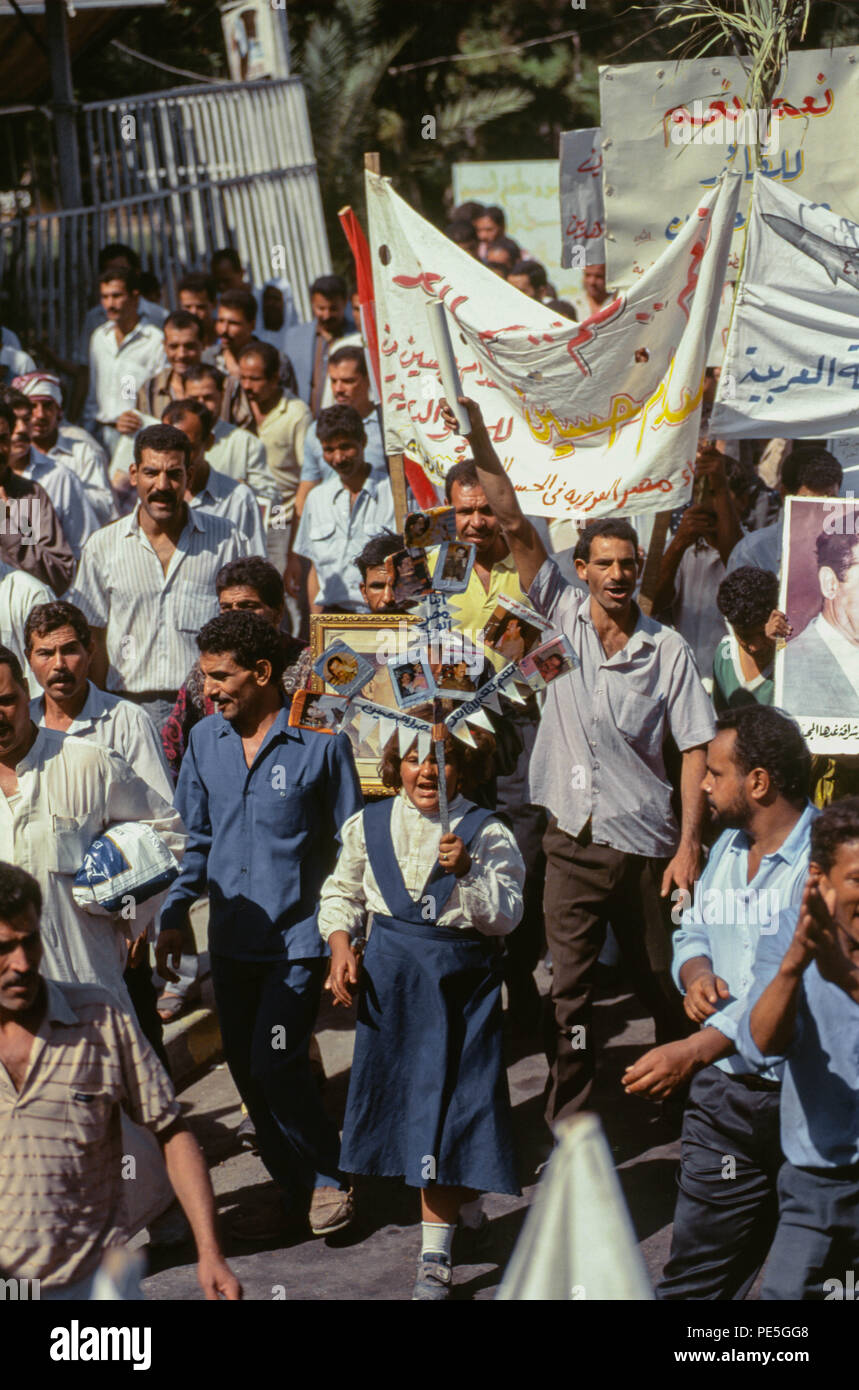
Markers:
point(791, 367)
point(528, 193)
point(587, 418)
point(650, 180)
point(582, 214)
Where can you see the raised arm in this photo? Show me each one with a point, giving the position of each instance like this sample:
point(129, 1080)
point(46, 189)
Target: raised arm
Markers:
point(527, 549)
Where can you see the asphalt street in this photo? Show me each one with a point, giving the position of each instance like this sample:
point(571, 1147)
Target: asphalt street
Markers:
point(375, 1258)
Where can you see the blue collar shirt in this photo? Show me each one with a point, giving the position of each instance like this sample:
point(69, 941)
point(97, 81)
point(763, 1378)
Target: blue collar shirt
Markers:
point(729, 916)
point(262, 839)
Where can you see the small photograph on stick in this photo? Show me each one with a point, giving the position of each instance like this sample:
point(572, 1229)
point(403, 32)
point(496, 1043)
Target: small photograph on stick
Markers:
point(511, 634)
point(546, 663)
point(409, 576)
point(344, 669)
point(317, 712)
point(433, 527)
point(412, 680)
point(453, 567)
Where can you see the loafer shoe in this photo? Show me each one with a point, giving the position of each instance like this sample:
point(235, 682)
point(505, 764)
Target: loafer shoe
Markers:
point(330, 1210)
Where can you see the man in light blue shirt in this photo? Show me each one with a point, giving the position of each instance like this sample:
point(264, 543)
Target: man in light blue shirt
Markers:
point(342, 515)
point(757, 774)
point(208, 489)
point(803, 1012)
point(350, 385)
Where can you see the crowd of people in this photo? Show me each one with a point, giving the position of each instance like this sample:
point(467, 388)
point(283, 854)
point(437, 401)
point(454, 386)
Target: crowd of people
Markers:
point(178, 501)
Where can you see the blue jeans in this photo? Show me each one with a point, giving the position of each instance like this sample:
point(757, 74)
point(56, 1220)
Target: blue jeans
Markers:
point(267, 1011)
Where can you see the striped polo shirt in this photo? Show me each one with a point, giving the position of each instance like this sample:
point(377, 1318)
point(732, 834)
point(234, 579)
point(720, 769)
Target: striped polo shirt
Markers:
point(61, 1179)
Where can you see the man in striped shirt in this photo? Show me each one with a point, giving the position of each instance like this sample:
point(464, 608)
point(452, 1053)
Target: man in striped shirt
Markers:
point(70, 1060)
point(146, 584)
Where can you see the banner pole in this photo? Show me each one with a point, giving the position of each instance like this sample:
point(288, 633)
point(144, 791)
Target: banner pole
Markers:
point(396, 463)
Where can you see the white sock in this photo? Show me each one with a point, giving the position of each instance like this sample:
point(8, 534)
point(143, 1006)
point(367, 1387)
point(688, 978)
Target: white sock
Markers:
point(436, 1238)
point(471, 1214)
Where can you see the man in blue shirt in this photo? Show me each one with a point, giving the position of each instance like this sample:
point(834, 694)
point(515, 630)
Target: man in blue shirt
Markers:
point(803, 1010)
point(263, 804)
point(757, 774)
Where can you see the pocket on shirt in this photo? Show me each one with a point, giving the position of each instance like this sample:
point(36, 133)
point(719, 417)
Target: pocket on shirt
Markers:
point(87, 1115)
point(282, 806)
point(639, 720)
point(68, 841)
point(192, 606)
point(321, 532)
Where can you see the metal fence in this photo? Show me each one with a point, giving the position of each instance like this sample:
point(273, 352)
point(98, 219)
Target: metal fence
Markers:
point(175, 175)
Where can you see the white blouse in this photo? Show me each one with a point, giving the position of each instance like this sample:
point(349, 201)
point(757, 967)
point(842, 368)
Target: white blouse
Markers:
point(488, 898)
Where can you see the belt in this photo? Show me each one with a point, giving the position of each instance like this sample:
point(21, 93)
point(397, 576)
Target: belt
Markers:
point(754, 1083)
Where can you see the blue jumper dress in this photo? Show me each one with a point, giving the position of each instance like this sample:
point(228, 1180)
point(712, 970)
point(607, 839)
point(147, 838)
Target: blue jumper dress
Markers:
point(428, 1097)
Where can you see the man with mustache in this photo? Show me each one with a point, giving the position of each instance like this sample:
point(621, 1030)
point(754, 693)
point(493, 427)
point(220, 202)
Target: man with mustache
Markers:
point(612, 844)
point(757, 775)
point(146, 583)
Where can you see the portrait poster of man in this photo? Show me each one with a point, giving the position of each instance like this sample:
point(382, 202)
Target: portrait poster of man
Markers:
point(817, 670)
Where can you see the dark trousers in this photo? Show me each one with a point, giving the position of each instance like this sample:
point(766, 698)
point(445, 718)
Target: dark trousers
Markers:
point(525, 943)
point(144, 997)
point(727, 1208)
point(817, 1239)
point(587, 886)
point(267, 1011)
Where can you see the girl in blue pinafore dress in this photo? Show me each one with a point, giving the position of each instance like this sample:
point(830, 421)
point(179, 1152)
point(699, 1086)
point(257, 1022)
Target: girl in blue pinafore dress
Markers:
point(428, 1098)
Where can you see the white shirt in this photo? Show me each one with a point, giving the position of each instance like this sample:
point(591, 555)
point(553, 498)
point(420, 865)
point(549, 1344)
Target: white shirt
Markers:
point(487, 899)
point(68, 496)
point(86, 459)
point(14, 362)
point(122, 726)
point(95, 317)
point(152, 619)
point(118, 370)
point(70, 791)
point(694, 611)
point(240, 455)
point(225, 497)
point(9, 339)
point(331, 534)
point(845, 652)
point(19, 592)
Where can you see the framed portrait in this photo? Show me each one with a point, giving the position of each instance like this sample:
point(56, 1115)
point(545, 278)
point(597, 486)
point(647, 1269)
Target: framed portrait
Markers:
point(817, 669)
point(376, 639)
point(547, 662)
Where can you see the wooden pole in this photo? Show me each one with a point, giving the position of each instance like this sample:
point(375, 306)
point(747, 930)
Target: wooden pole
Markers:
point(396, 463)
point(650, 575)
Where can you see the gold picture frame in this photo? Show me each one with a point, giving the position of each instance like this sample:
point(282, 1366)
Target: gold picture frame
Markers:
point(361, 632)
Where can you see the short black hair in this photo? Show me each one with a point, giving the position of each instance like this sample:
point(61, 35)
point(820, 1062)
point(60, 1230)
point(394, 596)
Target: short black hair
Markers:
point(18, 890)
point(340, 419)
point(837, 552)
point(201, 370)
point(496, 213)
point(612, 527)
point(741, 475)
point(112, 249)
point(746, 597)
point(242, 300)
point(331, 286)
point(506, 243)
point(226, 253)
point(350, 353)
point(48, 617)
point(198, 282)
point(177, 410)
point(769, 738)
point(247, 638)
point(464, 473)
point(461, 233)
point(377, 550)
point(837, 825)
point(268, 355)
point(8, 658)
point(15, 399)
point(7, 414)
point(129, 278)
point(180, 318)
point(535, 272)
point(467, 211)
point(811, 467)
point(256, 573)
point(162, 439)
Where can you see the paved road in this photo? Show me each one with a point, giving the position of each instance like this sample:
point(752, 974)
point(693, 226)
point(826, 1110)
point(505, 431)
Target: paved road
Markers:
point(375, 1259)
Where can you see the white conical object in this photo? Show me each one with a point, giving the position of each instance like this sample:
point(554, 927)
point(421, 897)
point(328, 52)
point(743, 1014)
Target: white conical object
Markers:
point(577, 1241)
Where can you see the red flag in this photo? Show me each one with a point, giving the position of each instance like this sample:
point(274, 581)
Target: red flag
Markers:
point(423, 490)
